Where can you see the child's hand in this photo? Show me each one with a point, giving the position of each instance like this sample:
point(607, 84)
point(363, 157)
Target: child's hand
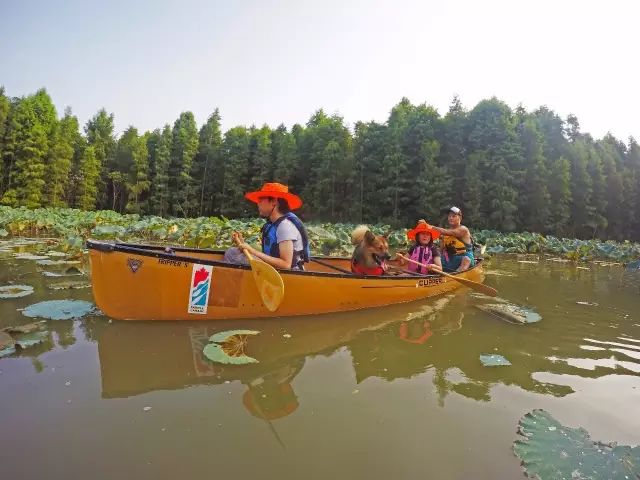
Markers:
point(400, 260)
point(237, 239)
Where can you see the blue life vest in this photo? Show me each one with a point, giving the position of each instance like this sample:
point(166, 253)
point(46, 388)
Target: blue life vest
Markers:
point(270, 241)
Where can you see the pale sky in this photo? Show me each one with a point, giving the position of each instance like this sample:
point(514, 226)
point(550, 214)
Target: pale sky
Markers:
point(278, 61)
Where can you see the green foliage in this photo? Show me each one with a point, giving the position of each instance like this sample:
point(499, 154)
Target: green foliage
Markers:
point(65, 138)
point(235, 149)
point(184, 147)
point(207, 164)
point(89, 174)
point(73, 227)
point(100, 136)
point(29, 147)
point(509, 170)
point(159, 201)
point(548, 449)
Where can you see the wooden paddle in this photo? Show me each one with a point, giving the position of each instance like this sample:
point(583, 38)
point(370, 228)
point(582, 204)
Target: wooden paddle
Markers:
point(269, 282)
point(480, 287)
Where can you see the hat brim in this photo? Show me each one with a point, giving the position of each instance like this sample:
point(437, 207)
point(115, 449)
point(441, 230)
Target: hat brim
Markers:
point(411, 234)
point(293, 200)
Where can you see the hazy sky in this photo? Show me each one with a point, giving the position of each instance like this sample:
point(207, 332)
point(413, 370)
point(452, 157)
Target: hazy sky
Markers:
point(279, 61)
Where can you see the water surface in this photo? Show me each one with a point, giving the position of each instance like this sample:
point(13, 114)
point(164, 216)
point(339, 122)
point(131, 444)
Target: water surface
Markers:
point(397, 392)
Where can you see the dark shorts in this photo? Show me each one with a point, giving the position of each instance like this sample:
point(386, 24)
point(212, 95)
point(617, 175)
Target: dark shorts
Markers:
point(453, 262)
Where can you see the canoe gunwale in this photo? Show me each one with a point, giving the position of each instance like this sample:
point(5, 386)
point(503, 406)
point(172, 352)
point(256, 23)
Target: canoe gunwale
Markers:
point(148, 250)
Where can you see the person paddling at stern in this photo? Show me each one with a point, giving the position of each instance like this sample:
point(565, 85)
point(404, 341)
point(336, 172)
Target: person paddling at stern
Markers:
point(457, 246)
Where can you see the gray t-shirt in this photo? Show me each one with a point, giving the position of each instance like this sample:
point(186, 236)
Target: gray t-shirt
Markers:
point(288, 231)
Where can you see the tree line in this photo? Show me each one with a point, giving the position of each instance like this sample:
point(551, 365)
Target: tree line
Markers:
point(508, 169)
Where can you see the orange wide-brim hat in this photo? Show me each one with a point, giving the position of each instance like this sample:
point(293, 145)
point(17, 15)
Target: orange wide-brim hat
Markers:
point(275, 190)
point(422, 227)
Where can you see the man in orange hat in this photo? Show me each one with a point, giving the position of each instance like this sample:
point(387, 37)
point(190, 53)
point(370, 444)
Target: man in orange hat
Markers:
point(457, 246)
point(285, 243)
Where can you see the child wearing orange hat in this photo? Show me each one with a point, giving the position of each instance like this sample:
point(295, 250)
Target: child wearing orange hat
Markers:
point(423, 250)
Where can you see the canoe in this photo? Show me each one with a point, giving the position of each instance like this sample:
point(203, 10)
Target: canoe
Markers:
point(144, 282)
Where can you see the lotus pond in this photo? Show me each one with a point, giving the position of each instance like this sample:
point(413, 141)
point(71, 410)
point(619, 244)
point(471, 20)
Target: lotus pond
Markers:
point(543, 380)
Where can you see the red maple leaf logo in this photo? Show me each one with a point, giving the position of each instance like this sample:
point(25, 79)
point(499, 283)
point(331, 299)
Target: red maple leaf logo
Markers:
point(200, 275)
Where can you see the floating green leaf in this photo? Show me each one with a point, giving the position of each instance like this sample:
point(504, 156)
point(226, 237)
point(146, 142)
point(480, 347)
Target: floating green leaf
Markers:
point(549, 450)
point(30, 256)
point(224, 336)
point(228, 347)
point(59, 309)
point(217, 353)
point(71, 284)
point(15, 291)
point(49, 262)
point(27, 340)
point(493, 360)
point(55, 253)
point(28, 328)
point(511, 313)
point(7, 344)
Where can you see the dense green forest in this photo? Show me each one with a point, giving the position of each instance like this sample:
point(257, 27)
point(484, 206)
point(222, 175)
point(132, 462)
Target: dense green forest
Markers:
point(509, 170)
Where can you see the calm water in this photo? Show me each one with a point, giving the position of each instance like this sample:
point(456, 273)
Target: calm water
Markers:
point(390, 393)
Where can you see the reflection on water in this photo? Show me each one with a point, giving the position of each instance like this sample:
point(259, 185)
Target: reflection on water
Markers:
point(433, 346)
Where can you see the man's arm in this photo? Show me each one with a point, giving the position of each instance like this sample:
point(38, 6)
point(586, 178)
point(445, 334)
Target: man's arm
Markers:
point(460, 232)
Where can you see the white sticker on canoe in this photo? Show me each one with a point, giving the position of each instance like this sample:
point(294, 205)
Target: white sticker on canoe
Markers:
point(200, 288)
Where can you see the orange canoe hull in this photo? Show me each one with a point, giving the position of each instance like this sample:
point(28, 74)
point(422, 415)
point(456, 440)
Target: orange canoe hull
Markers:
point(139, 282)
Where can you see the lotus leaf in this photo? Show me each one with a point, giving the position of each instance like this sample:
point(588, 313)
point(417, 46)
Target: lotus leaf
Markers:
point(511, 313)
point(49, 262)
point(217, 353)
point(224, 336)
point(549, 450)
point(27, 340)
point(73, 227)
point(7, 344)
point(29, 256)
point(228, 347)
point(59, 309)
point(108, 231)
point(52, 274)
point(71, 284)
point(15, 291)
point(493, 360)
point(69, 272)
point(28, 328)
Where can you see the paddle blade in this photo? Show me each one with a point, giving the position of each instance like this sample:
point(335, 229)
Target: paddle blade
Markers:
point(479, 287)
point(269, 284)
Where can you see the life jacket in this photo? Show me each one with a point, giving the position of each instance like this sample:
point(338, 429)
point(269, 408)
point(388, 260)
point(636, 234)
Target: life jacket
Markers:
point(270, 240)
point(455, 246)
point(420, 254)
point(361, 269)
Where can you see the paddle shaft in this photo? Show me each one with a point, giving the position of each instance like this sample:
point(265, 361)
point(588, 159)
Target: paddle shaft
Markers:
point(480, 287)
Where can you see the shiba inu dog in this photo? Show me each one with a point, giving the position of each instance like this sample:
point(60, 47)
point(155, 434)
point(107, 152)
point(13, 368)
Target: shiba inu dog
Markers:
point(371, 252)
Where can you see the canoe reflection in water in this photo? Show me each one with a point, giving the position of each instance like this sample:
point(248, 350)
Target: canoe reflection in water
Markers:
point(140, 357)
point(438, 341)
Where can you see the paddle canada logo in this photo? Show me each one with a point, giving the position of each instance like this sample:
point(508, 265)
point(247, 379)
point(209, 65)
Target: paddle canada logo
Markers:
point(134, 264)
point(200, 288)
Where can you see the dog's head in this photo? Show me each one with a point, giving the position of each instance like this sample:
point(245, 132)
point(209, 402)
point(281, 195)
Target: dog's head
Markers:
point(375, 248)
